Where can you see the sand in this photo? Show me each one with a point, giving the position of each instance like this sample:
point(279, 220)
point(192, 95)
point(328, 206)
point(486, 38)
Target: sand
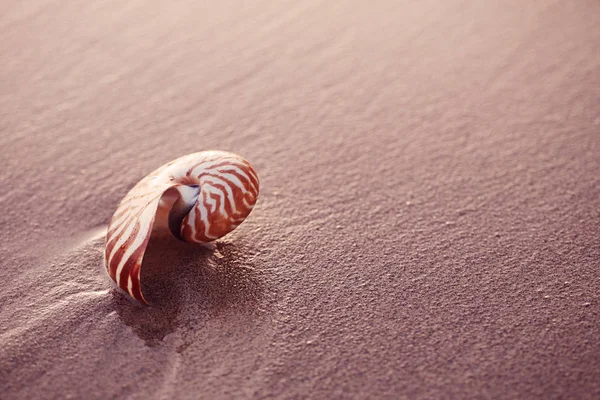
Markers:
point(429, 215)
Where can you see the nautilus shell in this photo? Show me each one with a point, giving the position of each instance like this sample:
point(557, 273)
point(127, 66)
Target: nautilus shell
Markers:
point(206, 194)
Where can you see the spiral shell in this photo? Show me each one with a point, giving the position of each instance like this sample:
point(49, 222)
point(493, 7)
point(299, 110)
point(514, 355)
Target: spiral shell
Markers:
point(209, 194)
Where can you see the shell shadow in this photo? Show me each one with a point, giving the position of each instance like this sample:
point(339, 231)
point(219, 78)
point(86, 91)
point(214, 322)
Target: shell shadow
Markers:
point(186, 284)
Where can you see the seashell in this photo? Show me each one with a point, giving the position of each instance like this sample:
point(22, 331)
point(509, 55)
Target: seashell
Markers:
point(206, 194)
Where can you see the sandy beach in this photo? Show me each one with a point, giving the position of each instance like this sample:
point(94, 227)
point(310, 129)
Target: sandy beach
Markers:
point(429, 219)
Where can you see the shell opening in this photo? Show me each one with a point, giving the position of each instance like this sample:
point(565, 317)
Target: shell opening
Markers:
point(188, 195)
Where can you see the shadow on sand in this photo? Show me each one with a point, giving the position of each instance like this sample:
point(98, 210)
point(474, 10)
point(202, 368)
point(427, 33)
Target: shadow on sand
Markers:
point(186, 283)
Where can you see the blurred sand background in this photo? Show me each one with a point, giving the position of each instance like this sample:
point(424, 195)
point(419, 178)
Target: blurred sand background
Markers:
point(429, 218)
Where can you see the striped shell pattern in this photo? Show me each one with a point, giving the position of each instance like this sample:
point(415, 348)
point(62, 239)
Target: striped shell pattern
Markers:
point(209, 194)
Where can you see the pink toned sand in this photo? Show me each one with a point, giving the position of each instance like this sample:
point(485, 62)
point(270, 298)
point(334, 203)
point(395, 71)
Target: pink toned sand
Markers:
point(429, 218)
